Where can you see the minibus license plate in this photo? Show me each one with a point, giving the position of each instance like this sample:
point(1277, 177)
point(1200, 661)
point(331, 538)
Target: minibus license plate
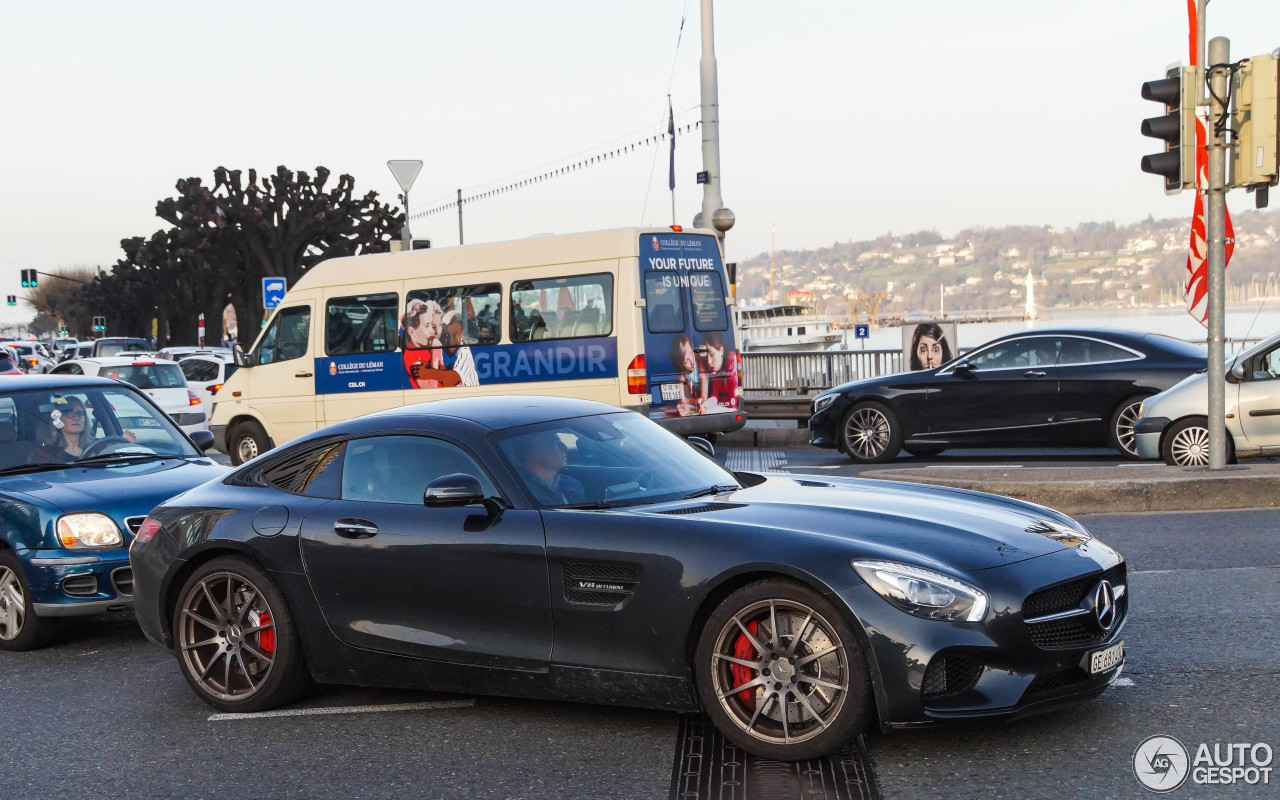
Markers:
point(672, 391)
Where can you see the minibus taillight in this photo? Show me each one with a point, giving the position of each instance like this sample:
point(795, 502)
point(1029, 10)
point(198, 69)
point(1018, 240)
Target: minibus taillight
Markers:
point(738, 358)
point(637, 381)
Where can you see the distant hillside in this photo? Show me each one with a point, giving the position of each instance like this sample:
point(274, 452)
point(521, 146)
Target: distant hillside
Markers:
point(1097, 264)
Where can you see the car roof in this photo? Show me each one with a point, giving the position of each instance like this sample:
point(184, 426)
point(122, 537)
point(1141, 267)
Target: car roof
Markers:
point(496, 413)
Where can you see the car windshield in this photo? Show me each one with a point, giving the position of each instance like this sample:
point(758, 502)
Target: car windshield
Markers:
point(43, 427)
point(147, 376)
point(113, 348)
point(605, 460)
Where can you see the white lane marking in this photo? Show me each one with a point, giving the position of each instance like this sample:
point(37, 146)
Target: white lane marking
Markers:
point(1123, 682)
point(813, 466)
point(307, 712)
point(1144, 464)
point(974, 466)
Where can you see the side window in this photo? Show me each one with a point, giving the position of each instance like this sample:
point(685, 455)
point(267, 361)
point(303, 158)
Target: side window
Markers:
point(198, 370)
point(709, 312)
point(562, 308)
point(314, 473)
point(1014, 353)
point(1266, 367)
point(398, 469)
point(286, 338)
point(453, 316)
point(663, 305)
point(361, 324)
point(68, 369)
point(1089, 351)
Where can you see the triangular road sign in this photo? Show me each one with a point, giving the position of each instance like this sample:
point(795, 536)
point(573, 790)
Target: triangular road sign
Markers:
point(406, 172)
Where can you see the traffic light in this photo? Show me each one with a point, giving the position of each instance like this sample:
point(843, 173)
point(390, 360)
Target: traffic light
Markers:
point(99, 324)
point(12, 299)
point(1255, 93)
point(1177, 128)
point(29, 279)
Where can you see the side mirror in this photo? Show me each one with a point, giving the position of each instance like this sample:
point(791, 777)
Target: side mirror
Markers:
point(962, 367)
point(242, 358)
point(1237, 374)
point(202, 439)
point(452, 491)
point(699, 442)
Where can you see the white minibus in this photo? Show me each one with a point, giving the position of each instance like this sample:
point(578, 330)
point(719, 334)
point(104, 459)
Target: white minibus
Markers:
point(636, 317)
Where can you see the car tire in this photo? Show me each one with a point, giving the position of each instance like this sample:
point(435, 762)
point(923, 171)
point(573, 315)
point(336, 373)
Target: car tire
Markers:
point(1186, 443)
point(247, 441)
point(786, 710)
point(235, 638)
point(20, 627)
point(1120, 433)
point(924, 452)
point(870, 433)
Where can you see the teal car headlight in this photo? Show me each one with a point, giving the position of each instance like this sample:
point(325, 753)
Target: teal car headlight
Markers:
point(923, 592)
point(88, 530)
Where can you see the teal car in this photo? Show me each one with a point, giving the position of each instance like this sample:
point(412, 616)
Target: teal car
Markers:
point(82, 462)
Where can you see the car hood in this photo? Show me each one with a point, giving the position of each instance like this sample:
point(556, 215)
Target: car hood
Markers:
point(121, 490)
point(924, 524)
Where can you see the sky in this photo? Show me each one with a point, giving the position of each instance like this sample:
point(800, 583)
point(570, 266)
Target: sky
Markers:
point(839, 119)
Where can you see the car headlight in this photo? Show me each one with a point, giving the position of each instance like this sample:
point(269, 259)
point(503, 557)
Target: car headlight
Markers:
point(822, 401)
point(923, 592)
point(88, 530)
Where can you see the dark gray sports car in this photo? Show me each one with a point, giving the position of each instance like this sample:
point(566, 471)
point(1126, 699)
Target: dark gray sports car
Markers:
point(553, 548)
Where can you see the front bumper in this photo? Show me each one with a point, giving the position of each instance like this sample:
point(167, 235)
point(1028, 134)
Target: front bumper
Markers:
point(999, 670)
point(1147, 432)
point(72, 583)
point(824, 426)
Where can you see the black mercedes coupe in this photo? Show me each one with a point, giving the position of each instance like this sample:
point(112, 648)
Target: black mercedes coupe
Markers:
point(552, 548)
point(1074, 388)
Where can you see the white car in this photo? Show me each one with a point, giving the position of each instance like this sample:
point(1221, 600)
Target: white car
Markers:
point(1174, 426)
point(160, 380)
point(181, 353)
point(33, 357)
point(205, 375)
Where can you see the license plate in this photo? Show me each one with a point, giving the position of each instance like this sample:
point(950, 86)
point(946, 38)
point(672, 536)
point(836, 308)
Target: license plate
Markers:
point(1105, 660)
point(672, 391)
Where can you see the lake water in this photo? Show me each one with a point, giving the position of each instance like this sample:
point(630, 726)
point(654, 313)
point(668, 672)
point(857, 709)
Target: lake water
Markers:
point(1243, 322)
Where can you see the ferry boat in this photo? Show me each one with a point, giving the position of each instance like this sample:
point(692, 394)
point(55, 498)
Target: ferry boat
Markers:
point(784, 327)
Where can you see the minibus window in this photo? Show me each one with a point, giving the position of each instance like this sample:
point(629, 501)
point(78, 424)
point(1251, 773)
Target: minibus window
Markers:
point(665, 309)
point(428, 311)
point(573, 307)
point(365, 324)
point(286, 338)
point(709, 312)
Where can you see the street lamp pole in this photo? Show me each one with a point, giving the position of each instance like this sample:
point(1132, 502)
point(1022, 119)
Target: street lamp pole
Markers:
point(713, 214)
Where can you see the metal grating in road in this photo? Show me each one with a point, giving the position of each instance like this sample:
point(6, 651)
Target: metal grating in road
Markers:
point(752, 460)
point(710, 767)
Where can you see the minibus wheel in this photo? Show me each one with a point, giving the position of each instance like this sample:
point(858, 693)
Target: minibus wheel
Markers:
point(248, 441)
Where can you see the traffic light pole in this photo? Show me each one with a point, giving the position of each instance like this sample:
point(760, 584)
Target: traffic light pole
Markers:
point(1219, 58)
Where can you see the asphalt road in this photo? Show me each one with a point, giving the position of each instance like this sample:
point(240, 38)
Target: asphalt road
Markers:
point(103, 711)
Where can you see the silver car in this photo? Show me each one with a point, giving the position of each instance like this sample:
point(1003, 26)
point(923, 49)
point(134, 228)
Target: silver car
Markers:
point(1173, 425)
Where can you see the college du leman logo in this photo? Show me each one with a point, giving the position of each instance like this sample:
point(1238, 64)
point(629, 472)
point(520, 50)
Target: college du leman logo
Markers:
point(1161, 763)
point(654, 242)
point(333, 368)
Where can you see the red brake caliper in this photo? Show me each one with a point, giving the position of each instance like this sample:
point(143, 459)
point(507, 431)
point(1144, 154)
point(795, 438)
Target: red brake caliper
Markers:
point(267, 638)
point(743, 649)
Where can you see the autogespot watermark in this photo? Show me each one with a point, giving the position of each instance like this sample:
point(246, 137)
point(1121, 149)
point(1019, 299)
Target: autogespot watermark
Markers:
point(1162, 764)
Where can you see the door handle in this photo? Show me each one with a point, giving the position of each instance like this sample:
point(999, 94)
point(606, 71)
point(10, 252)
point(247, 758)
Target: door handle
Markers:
point(355, 528)
point(1033, 373)
point(302, 375)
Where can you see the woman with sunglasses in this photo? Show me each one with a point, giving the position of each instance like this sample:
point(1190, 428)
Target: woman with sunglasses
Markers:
point(72, 436)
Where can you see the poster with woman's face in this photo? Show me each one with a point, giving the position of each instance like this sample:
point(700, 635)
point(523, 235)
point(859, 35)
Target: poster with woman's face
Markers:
point(928, 345)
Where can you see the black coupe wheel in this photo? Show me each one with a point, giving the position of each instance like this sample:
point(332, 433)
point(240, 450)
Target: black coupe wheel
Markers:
point(781, 673)
point(248, 441)
point(235, 639)
point(871, 434)
point(1120, 432)
point(20, 627)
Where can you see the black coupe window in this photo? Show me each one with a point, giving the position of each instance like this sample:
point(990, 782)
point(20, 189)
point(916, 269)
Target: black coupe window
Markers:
point(1091, 351)
point(314, 473)
point(398, 469)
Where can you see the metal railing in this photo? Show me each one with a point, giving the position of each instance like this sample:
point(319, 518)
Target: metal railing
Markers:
point(802, 373)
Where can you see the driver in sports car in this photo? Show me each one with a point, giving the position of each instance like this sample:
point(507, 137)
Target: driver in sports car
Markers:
point(544, 457)
point(70, 423)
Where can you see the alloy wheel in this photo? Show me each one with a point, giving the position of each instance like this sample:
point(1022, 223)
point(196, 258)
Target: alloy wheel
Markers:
point(780, 671)
point(1190, 447)
point(867, 433)
point(227, 636)
point(13, 606)
point(1124, 428)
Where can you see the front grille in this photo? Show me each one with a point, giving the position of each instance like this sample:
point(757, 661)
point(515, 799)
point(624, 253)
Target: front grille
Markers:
point(1054, 681)
point(1069, 595)
point(80, 585)
point(122, 579)
point(134, 524)
point(951, 674)
point(599, 584)
point(1074, 631)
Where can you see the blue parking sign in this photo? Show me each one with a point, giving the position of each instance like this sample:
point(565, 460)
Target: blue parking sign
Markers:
point(862, 331)
point(272, 292)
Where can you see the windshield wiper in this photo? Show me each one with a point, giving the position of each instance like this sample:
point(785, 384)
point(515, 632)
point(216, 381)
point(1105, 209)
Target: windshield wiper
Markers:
point(27, 469)
point(711, 490)
point(112, 457)
point(600, 505)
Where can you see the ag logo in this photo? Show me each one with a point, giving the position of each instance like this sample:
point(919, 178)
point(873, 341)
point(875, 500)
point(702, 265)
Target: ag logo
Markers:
point(1161, 763)
point(333, 368)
